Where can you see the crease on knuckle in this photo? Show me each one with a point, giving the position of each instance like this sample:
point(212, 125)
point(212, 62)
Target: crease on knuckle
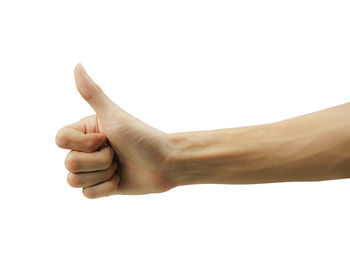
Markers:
point(110, 155)
point(89, 193)
point(72, 163)
point(62, 139)
point(92, 143)
point(106, 159)
point(111, 187)
point(73, 180)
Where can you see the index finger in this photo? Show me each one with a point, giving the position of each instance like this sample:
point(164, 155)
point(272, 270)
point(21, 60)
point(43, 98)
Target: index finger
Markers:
point(73, 138)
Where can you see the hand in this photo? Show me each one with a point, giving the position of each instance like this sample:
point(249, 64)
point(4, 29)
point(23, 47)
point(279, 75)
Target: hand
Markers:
point(114, 152)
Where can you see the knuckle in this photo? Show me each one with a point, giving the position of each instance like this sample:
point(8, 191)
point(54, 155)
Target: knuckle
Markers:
point(114, 184)
point(92, 143)
point(72, 162)
point(73, 180)
point(110, 155)
point(89, 193)
point(106, 158)
point(114, 166)
point(61, 138)
point(112, 187)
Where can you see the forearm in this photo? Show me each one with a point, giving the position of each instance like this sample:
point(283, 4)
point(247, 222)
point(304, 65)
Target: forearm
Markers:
point(311, 147)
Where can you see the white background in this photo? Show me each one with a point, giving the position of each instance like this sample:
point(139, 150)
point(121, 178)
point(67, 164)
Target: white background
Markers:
point(179, 66)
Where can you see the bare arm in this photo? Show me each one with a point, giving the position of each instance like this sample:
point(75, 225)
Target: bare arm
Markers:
point(310, 147)
point(113, 152)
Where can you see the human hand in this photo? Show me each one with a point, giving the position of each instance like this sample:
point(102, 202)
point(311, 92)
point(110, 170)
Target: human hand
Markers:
point(114, 152)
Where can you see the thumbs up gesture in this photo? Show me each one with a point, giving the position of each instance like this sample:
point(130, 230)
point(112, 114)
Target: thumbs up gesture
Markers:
point(113, 152)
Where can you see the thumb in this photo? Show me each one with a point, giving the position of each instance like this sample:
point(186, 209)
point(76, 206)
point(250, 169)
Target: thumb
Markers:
point(93, 94)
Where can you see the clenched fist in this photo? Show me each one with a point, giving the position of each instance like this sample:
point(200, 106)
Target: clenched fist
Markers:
point(113, 152)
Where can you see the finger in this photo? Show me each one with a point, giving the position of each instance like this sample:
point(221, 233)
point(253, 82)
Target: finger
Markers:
point(80, 180)
point(92, 93)
point(107, 188)
point(87, 162)
point(73, 139)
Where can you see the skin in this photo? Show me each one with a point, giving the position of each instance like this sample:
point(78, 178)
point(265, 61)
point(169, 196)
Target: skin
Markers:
point(113, 152)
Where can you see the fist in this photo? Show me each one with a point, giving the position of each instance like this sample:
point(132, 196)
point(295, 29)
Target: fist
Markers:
point(92, 163)
point(113, 152)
